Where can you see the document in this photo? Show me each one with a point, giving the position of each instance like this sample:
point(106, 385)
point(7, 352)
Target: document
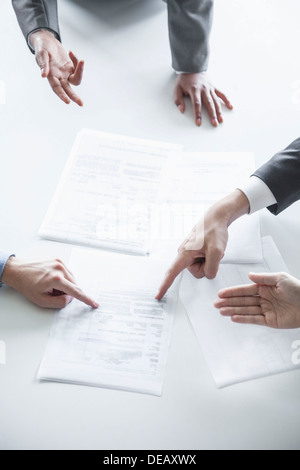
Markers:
point(124, 343)
point(237, 353)
point(107, 191)
point(201, 179)
point(136, 196)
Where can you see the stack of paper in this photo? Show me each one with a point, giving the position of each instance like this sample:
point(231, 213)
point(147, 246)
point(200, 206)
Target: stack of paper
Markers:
point(136, 196)
point(127, 195)
point(236, 353)
point(124, 343)
point(107, 190)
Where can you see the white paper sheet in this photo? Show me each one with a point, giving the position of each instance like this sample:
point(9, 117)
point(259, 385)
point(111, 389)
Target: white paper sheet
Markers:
point(106, 193)
point(237, 353)
point(201, 179)
point(124, 343)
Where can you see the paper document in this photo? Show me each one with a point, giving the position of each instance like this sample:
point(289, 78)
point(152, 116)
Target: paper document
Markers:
point(124, 343)
point(135, 196)
point(234, 352)
point(201, 179)
point(106, 193)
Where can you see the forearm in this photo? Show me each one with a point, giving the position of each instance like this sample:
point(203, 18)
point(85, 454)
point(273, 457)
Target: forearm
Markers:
point(34, 15)
point(190, 24)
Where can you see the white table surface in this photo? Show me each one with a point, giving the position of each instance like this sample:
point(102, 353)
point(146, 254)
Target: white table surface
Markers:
point(127, 89)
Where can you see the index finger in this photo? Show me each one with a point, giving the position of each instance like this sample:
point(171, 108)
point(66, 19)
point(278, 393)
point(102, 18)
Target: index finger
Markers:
point(239, 291)
point(177, 267)
point(74, 291)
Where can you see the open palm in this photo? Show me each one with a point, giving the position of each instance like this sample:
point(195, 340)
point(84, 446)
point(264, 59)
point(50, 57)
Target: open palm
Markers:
point(273, 301)
point(60, 68)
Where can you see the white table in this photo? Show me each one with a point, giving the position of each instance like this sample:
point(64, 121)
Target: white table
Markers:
point(128, 89)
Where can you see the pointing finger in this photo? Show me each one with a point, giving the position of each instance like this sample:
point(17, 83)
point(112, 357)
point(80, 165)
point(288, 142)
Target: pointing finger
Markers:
point(74, 291)
point(177, 267)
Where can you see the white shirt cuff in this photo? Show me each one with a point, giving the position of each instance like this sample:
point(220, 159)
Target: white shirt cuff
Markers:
point(258, 194)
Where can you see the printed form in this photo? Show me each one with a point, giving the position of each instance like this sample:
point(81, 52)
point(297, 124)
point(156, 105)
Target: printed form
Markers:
point(136, 196)
point(201, 179)
point(107, 191)
point(237, 353)
point(124, 343)
point(105, 199)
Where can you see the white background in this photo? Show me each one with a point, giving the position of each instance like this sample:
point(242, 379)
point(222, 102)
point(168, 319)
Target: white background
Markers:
point(128, 89)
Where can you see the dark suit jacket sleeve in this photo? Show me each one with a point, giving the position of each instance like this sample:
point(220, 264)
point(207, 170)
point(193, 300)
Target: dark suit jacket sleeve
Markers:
point(282, 175)
point(36, 14)
point(190, 24)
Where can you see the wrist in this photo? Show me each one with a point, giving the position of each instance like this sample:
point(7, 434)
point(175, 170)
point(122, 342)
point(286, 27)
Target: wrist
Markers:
point(232, 207)
point(40, 35)
point(10, 272)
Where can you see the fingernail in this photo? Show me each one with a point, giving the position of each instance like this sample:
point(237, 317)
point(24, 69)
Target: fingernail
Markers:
point(210, 276)
point(198, 122)
point(180, 107)
point(215, 123)
point(96, 305)
point(221, 119)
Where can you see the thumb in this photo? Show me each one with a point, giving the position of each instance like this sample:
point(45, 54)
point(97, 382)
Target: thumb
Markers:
point(42, 59)
point(265, 279)
point(212, 262)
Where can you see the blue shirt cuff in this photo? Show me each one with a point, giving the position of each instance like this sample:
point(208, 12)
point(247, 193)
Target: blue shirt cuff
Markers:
point(4, 257)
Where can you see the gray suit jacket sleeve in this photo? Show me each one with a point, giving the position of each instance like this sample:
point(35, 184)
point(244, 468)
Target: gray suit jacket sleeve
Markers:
point(36, 14)
point(190, 24)
point(282, 175)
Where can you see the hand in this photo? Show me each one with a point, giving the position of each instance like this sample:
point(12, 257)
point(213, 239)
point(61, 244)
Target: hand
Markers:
point(273, 301)
point(57, 66)
point(202, 92)
point(47, 284)
point(204, 248)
